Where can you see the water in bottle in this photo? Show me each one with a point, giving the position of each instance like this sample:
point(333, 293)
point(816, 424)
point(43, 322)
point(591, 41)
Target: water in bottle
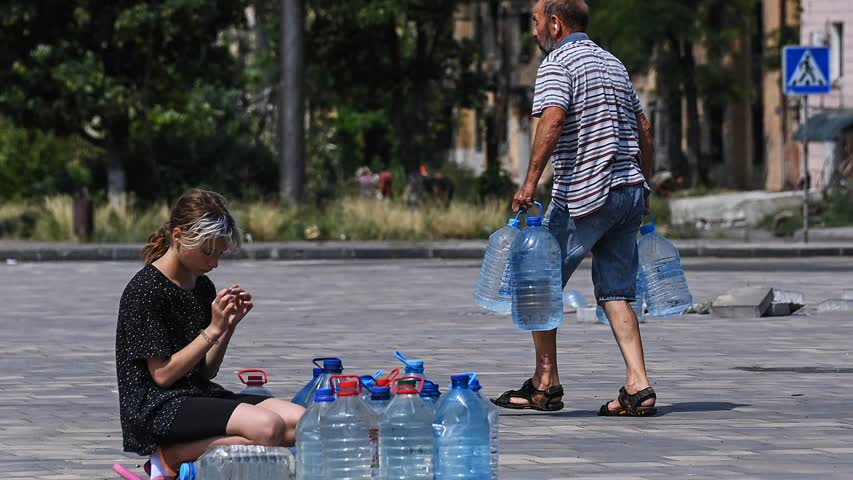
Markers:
point(405, 434)
point(461, 433)
point(331, 366)
point(350, 433)
point(493, 290)
point(309, 446)
point(254, 379)
point(241, 462)
point(664, 282)
point(301, 397)
point(537, 286)
point(494, 427)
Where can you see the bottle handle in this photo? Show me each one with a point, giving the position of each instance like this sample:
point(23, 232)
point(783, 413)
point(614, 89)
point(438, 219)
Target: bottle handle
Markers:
point(320, 359)
point(541, 211)
point(264, 379)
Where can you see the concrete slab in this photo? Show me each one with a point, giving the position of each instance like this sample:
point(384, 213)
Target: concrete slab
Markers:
point(750, 302)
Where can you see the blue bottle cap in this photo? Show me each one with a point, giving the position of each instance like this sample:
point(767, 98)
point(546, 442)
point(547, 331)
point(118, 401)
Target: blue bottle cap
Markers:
point(317, 371)
point(414, 366)
point(430, 390)
point(368, 381)
point(381, 393)
point(647, 229)
point(514, 223)
point(324, 395)
point(474, 385)
point(187, 471)
point(333, 365)
point(460, 381)
point(534, 221)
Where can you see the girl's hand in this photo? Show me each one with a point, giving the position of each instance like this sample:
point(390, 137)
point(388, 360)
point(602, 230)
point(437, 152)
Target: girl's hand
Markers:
point(242, 301)
point(222, 309)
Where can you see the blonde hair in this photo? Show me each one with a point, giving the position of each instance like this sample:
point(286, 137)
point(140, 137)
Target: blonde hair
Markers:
point(201, 215)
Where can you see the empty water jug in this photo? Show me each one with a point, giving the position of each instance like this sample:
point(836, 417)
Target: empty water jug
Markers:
point(413, 367)
point(493, 290)
point(350, 433)
point(241, 462)
point(405, 434)
point(573, 300)
point(331, 366)
point(309, 444)
point(537, 286)
point(301, 397)
point(254, 379)
point(461, 433)
point(664, 282)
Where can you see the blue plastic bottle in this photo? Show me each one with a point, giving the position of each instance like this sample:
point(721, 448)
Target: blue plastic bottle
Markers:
point(331, 366)
point(405, 434)
point(537, 286)
point(301, 397)
point(494, 427)
point(309, 446)
point(413, 367)
point(461, 432)
point(350, 434)
point(493, 290)
point(664, 282)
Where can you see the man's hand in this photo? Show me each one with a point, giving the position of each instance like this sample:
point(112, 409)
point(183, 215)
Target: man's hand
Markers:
point(524, 197)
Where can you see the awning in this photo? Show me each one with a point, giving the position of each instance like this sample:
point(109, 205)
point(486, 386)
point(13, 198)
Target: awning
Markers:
point(825, 126)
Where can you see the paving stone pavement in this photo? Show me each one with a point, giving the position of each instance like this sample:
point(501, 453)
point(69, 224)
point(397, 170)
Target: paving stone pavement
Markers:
point(759, 398)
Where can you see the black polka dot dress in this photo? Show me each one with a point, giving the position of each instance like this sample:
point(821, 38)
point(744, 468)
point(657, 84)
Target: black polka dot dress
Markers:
point(157, 318)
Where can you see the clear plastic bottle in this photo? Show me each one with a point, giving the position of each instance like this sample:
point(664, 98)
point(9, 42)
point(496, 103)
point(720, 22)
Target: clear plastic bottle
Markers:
point(331, 367)
point(254, 379)
point(461, 433)
point(301, 397)
point(309, 446)
point(664, 282)
point(430, 394)
point(350, 433)
point(379, 399)
point(405, 434)
point(537, 286)
point(573, 299)
point(494, 426)
point(493, 291)
point(241, 462)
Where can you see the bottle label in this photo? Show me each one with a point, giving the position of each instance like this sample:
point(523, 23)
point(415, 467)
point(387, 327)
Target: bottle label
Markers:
point(374, 448)
point(506, 282)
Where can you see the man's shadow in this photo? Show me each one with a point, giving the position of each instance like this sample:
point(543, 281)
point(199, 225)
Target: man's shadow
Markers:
point(663, 410)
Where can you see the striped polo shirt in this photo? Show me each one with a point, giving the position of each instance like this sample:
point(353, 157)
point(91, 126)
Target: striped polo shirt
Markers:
point(599, 146)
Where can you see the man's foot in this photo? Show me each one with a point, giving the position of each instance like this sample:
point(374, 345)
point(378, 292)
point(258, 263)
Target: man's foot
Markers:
point(641, 403)
point(529, 397)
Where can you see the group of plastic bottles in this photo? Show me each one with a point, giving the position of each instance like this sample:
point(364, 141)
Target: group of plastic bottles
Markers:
point(402, 429)
point(521, 273)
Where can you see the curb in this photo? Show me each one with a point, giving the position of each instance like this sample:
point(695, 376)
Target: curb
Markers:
point(469, 250)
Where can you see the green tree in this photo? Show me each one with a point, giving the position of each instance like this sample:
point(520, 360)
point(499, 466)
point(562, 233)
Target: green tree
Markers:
point(141, 80)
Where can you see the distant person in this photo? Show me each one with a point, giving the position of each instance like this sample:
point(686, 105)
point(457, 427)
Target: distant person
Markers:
point(173, 331)
point(593, 129)
point(366, 182)
point(385, 180)
point(442, 188)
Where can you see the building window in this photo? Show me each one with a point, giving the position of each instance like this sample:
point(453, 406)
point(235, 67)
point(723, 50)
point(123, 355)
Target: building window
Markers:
point(836, 50)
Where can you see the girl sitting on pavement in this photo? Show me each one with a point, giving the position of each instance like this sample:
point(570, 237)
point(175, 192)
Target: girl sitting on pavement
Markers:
point(173, 331)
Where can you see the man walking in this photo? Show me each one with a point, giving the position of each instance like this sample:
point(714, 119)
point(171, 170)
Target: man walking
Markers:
point(593, 129)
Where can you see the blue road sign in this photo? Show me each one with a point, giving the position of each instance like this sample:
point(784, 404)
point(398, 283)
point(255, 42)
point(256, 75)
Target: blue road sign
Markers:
point(806, 70)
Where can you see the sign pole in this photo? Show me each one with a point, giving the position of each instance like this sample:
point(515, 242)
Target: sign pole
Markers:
point(807, 175)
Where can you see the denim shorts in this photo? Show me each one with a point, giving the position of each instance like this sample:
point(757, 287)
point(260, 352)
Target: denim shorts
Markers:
point(610, 233)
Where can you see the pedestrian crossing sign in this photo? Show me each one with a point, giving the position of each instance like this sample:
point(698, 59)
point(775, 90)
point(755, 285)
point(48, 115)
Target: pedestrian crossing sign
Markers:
point(806, 70)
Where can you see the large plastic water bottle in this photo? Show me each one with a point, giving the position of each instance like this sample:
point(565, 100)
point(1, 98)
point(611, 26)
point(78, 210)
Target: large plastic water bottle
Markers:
point(241, 462)
point(573, 299)
point(301, 397)
point(350, 433)
point(461, 432)
point(405, 434)
point(493, 290)
point(494, 427)
point(309, 446)
point(537, 286)
point(637, 305)
point(331, 366)
point(663, 277)
point(254, 379)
